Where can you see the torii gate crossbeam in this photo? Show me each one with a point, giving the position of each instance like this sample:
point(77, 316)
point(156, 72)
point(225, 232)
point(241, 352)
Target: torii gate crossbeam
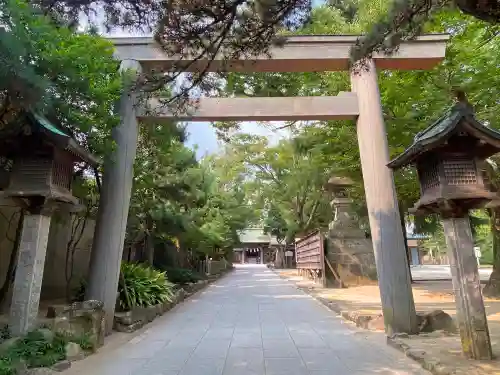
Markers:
point(298, 54)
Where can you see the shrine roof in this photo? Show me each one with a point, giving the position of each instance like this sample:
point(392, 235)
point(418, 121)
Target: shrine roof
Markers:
point(61, 139)
point(458, 116)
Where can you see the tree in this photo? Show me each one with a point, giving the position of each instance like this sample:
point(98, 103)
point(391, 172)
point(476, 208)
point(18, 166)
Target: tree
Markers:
point(406, 19)
point(287, 184)
point(411, 101)
point(70, 77)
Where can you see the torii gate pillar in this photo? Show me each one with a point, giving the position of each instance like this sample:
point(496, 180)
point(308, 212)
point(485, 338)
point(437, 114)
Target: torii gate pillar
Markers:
point(111, 224)
point(311, 53)
point(398, 306)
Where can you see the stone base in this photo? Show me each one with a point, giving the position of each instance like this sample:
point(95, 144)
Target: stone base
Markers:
point(79, 318)
point(354, 260)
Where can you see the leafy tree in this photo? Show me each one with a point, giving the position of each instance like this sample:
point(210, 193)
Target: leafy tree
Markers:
point(70, 77)
point(287, 183)
point(411, 101)
point(405, 19)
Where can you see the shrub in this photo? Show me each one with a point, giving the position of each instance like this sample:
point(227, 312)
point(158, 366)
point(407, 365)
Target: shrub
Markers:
point(4, 332)
point(37, 350)
point(143, 286)
point(182, 275)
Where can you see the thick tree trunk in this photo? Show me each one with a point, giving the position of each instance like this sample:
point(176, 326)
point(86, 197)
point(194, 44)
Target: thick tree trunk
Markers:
point(279, 261)
point(492, 288)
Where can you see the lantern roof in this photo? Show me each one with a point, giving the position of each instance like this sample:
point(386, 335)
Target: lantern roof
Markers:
point(61, 139)
point(459, 118)
point(56, 136)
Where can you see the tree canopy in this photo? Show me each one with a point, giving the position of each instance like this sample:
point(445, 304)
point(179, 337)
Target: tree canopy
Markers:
point(69, 77)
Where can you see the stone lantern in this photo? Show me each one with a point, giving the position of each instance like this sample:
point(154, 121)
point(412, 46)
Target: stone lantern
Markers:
point(347, 247)
point(42, 159)
point(449, 156)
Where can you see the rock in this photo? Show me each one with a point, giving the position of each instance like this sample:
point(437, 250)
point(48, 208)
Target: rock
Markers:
point(129, 328)
point(125, 317)
point(20, 366)
point(73, 352)
point(47, 334)
point(54, 311)
point(7, 344)
point(79, 318)
point(61, 366)
point(401, 335)
point(38, 371)
point(435, 321)
point(376, 324)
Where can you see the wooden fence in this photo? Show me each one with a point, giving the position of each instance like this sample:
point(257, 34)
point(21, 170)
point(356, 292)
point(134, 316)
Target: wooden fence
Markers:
point(310, 256)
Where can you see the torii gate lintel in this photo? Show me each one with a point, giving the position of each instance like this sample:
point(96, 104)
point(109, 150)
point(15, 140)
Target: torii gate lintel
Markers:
point(299, 54)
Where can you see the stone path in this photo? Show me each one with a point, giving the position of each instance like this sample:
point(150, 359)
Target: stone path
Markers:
point(251, 322)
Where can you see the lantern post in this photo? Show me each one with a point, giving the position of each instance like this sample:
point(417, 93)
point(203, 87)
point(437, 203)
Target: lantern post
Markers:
point(449, 157)
point(40, 180)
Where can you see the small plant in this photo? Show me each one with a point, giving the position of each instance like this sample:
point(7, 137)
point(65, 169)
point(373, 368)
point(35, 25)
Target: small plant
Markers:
point(4, 333)
point(142, 286)
point(38, 350)
point(182, 275)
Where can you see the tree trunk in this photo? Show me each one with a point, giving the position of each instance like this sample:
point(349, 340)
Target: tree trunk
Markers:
point(149, 244)
point(407, 249)
point(279, 261)
point(492, 288)
point(6, 289)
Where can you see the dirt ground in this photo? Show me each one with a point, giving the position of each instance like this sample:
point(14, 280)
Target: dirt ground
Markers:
point(428, 296)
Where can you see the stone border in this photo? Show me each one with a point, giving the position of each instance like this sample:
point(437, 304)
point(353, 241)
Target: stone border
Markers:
point(131, 321)
point(426, 361)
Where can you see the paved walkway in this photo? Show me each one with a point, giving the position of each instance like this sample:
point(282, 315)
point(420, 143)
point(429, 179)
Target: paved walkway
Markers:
point(250, 323)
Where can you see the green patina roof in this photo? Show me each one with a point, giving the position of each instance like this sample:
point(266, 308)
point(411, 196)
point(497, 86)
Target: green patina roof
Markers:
point(61, 139)
point(48, 125)
point(440, 131)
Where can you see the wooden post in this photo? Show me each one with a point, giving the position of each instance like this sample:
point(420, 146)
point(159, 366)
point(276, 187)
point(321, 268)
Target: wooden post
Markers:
point(323, 255)
point(398, 306)
point(116, 190)
point(471, 315)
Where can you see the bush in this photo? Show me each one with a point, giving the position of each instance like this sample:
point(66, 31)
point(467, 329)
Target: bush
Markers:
point(143, 286)
point(182, 275)
point(4, 332)
point(38, 350)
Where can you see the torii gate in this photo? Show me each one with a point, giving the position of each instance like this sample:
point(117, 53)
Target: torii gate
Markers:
point(313, 53)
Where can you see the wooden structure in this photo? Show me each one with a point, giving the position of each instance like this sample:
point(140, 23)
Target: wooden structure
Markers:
point(42, 157)
point(305, 53)
point(310, 256)
point(448, 156)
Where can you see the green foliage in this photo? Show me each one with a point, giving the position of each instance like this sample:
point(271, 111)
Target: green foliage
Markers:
point(36, 350)
point(400, 20)
point(4, 332)
point(71, 77)
point(142, 286)
point(411, 100)
point(284, 182)
point(182, 275)
point(181, 201)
